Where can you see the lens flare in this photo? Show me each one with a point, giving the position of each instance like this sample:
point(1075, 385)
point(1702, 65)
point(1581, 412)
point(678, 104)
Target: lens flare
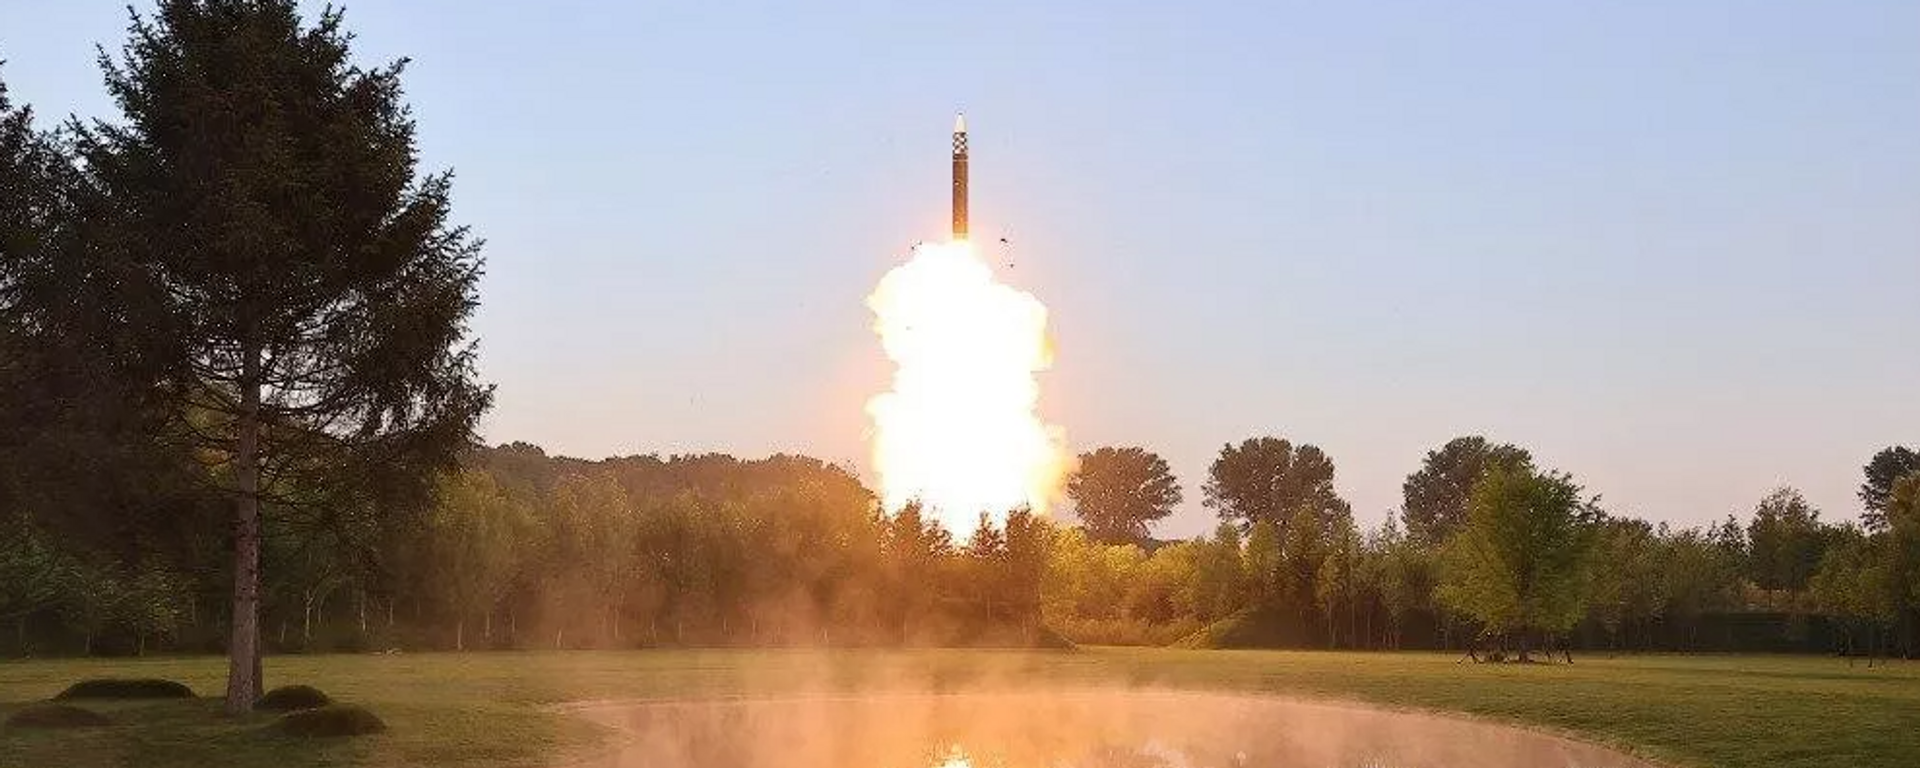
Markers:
point(960, 430)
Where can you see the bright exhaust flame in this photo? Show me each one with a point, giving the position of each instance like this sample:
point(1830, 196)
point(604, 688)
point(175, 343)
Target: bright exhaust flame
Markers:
point(959, 431)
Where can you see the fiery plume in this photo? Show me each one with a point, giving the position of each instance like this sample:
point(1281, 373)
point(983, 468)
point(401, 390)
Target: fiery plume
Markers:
point(960, 431)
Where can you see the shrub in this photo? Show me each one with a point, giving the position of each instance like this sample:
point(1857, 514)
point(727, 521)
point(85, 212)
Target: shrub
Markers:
point(117, 688)
point(288, 698)
point(331, 720)
point(56, 716)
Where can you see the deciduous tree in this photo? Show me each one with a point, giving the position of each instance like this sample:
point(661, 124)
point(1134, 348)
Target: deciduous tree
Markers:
point(1269, 478)
point(1518, 563)
point(1434, 497)
point(1882, 472)
point(1118, 492)
point(1785, 541)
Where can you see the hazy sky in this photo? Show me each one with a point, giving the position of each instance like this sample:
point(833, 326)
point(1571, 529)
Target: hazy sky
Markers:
point(1672, 247)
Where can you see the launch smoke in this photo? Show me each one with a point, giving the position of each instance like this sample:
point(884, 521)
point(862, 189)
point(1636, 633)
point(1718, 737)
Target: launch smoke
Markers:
point(960, 431)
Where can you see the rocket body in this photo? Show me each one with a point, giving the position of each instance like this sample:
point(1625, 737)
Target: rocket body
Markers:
point(960, 177)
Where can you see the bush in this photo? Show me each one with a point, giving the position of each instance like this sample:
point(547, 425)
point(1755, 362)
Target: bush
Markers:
point(56, 716)
point(289, 698)
point(331, 720)
point(116, 688)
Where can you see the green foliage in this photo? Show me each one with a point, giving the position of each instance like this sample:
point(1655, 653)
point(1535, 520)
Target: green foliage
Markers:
point(318, 293)
point(1337, 583)
point(1628, 579)
point(1882, 472)
point(1268, 478)
point(1520, 563)
point(1117, 492)
point(1785, 541)
point(1265, 578)
point(1436, 496)
point(306, 294)
point(1872, 580)
point(1853, 582)
point(1405, 578)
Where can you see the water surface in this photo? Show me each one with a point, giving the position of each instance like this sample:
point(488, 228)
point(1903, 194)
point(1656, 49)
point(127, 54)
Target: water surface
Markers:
point(1090, 729)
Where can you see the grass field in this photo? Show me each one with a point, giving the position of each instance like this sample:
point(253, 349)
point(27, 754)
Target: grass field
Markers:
point(491, 709)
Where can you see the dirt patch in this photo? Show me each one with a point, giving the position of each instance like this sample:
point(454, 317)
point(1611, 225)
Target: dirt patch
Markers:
point(1092, 729)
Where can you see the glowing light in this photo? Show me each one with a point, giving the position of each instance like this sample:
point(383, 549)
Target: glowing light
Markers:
point(955, 759)
point(960, 431)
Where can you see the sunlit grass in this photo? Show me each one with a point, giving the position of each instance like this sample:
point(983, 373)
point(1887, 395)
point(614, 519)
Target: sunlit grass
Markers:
point(492, 709)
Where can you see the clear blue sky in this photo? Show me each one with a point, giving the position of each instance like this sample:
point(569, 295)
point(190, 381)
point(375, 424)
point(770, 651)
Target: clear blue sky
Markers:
point(1672, 247)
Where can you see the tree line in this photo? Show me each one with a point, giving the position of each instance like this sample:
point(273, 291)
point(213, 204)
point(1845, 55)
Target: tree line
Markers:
point(1487, 551)
point(519, 549)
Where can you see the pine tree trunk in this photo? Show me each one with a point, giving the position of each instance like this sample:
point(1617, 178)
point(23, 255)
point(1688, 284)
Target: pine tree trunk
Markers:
point(243, 655)
point(460, 634)
point(486, 627)
point(259, 676)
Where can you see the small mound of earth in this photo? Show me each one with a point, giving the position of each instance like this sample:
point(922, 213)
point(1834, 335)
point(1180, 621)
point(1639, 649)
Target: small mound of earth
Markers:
point(56, 716)
point(1128, 728)
point(331, 720)
point(290, 698)
point(125, 688)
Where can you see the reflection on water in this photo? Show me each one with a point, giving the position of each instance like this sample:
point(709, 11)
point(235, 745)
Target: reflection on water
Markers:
point(1067, 730)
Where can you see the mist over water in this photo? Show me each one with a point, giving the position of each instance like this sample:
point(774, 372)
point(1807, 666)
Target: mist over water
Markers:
point(1084, 729)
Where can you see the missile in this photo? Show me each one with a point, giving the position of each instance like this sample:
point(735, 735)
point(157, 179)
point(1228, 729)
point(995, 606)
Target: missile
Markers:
point(959, 177)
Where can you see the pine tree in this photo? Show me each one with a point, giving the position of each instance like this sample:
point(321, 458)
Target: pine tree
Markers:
point(316, 295)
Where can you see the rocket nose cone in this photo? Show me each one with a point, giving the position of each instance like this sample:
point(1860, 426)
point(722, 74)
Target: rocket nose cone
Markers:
point(959, 123)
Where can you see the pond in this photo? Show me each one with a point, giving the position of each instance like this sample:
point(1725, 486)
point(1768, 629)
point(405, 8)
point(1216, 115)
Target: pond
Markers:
point(1080, 729)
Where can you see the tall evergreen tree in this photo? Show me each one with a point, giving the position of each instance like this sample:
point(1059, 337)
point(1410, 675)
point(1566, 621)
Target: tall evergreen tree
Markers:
point(316, 293)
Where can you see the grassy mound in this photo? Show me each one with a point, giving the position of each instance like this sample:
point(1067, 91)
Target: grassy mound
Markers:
point(289, 698)
point(119, 688)
point(1248, 628)
point(331, 720)
point(1048, 639)
point(56, 716)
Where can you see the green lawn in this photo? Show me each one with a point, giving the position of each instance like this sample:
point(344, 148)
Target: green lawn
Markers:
point(487, 709)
